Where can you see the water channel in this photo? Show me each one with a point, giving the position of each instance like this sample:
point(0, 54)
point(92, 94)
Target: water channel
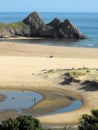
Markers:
point(18, 100)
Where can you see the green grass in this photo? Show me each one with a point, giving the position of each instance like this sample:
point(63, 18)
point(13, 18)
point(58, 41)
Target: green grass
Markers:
point(74, 73)
point(14, 25)
point(2, 26)
point(50, 71)
point(79, 74)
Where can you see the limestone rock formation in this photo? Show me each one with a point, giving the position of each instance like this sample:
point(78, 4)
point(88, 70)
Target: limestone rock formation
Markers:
point(55, 28)
point(66, 29)
point(33, 25)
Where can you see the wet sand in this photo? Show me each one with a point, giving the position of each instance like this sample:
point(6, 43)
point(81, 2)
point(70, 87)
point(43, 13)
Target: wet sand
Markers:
point(2, 97)
point(35, 50)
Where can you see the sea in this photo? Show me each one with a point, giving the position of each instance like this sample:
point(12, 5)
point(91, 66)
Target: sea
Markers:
point(86, 22)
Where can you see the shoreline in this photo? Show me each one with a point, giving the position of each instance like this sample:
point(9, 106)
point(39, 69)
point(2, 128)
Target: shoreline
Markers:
point(32, 40)
point(37, 50)
point(24, 65)
point(39, 109)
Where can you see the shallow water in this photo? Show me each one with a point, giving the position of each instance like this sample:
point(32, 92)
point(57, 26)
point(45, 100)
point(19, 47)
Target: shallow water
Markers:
point(74, 106)
point(18, 100)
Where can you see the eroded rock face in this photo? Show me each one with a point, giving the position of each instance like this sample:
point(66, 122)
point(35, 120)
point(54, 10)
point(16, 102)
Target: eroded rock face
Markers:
point(71, 31)
point(55, 28)
point(34, 20)
point(56, 23)
point(66, 29)
point(33, 25)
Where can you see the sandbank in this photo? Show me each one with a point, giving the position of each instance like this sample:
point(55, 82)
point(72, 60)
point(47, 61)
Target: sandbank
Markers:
point(21, 66)
point(2, 97)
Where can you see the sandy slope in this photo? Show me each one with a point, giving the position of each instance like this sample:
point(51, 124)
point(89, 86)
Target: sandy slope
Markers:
point(19, 70)
point(20, 62)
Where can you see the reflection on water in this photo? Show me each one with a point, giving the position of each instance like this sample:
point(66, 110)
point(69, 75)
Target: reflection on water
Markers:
point(18, 100)
point(88, 42)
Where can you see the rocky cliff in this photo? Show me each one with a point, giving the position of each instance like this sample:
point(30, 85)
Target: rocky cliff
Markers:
point(34, 26)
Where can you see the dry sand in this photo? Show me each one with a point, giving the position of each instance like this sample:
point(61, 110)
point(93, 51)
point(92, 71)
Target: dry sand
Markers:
point(19, 63)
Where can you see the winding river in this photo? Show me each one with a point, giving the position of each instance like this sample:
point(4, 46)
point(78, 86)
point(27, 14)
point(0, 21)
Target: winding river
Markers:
point(18, 100)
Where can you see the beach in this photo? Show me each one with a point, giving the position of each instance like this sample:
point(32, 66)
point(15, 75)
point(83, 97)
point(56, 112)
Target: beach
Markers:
point(37, 50)
point(22, 66)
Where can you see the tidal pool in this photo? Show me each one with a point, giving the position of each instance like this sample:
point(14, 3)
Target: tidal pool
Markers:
point(18, 100)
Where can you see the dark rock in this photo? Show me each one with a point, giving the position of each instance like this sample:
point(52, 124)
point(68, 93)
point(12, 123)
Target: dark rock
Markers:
point(33, 25)
point(70, 31)
point(66, 29)
point(48, 31)
point(35, 22)
point(23, 31)
point(55, 23)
